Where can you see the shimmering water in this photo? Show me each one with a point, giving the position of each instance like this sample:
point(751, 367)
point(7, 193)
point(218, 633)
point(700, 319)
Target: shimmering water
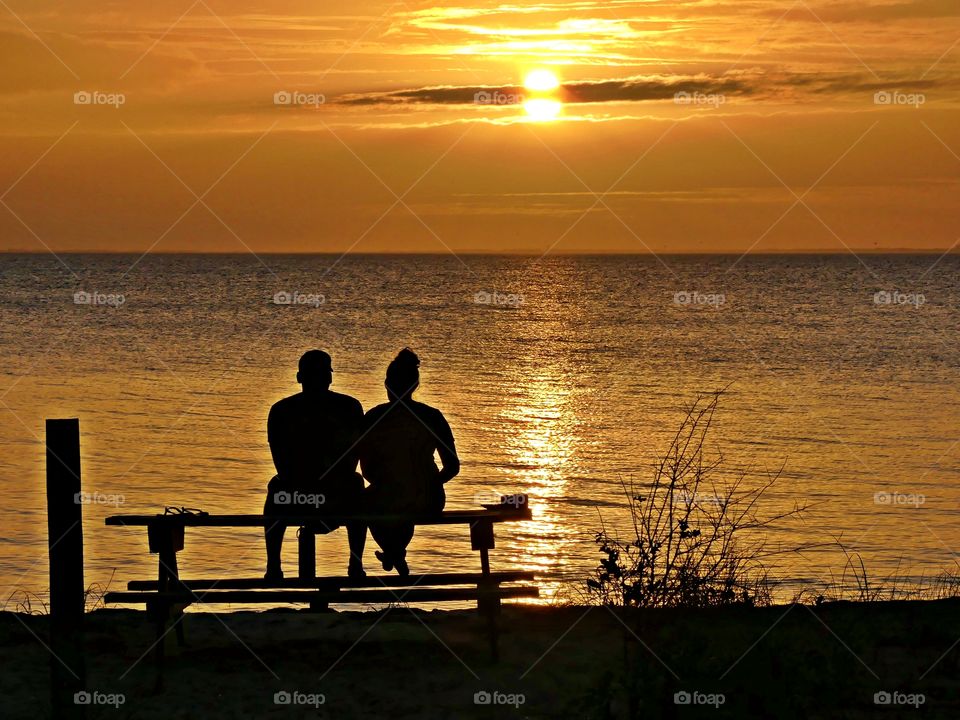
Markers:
point(572, 377)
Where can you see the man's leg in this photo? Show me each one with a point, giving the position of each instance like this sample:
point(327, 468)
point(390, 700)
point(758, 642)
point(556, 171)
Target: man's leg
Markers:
point(273, 534)
point(356, 532)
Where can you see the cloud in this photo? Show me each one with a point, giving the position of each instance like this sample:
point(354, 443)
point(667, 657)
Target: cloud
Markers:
point(759, 85)
point(626, 90)
point(874, 13)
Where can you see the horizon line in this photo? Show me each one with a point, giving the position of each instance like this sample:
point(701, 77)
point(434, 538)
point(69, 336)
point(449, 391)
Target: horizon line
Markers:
point(500, 253)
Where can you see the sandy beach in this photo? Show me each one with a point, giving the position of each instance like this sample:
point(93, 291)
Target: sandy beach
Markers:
point(576, 662)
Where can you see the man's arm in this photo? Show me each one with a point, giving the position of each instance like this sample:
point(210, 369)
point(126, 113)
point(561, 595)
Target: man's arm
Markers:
point(355, 416)
point(278, 442)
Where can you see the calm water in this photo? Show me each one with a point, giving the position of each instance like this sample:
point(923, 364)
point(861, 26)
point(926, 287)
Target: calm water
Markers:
point(572, 378)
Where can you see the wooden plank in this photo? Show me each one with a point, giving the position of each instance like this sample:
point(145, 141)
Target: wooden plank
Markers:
point(450, 517)
point(65, 544)
point(335, 582)
point(304, 596)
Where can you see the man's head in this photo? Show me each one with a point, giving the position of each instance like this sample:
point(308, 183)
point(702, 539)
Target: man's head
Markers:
point(315, 371)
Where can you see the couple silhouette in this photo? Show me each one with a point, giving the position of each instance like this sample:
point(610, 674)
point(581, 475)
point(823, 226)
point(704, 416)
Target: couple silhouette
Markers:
point(318, 437)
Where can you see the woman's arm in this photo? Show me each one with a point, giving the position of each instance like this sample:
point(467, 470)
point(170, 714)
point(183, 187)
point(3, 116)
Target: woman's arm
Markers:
point(447, 449)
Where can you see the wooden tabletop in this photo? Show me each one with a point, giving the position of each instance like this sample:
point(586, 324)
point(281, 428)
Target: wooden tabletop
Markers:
point(449, 517)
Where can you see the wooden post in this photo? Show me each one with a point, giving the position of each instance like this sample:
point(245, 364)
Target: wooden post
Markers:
point(65, 541)
point(307, 563)
point(307, 554)
point(488, 603)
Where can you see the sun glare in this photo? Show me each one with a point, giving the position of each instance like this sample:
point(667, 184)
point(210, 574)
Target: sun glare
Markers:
point(541, 81)
point(542, 110)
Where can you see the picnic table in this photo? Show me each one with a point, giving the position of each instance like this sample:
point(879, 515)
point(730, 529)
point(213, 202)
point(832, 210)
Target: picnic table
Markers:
point(167, 595)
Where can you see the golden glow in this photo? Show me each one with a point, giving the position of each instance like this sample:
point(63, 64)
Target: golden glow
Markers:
point(541, 81)
point(541, 110)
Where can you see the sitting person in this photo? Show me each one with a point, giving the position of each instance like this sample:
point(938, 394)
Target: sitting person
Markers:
point(397, 459)
point(313, 438)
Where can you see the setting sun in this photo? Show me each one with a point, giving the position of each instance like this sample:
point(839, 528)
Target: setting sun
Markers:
point(541, 81)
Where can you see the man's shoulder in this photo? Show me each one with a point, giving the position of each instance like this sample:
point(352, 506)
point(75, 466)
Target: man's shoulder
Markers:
point(287, 404)
point(347, 402)
point(301, 402)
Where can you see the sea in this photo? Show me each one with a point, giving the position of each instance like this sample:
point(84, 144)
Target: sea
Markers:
point(562, 377)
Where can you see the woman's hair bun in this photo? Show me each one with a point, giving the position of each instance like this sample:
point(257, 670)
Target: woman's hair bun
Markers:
point(407, 358)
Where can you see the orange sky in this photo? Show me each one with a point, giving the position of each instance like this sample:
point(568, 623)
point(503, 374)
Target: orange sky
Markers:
point(724, 126)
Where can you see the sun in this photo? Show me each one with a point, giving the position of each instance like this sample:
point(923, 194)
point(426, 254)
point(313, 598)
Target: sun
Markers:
point(541, 81)
point(543, 106)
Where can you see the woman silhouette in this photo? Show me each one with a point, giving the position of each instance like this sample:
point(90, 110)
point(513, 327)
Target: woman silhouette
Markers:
point(400, 438)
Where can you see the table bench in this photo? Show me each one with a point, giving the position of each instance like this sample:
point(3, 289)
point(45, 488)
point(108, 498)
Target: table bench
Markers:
point(167, 596)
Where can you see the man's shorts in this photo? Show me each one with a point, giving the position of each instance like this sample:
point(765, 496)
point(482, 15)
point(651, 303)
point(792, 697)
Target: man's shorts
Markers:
point(342, 496)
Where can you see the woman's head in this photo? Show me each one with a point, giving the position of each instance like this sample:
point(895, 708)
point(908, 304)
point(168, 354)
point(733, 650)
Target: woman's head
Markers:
point(403, 375)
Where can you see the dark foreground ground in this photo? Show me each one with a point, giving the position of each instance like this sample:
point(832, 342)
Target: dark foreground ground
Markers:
point(788, 661)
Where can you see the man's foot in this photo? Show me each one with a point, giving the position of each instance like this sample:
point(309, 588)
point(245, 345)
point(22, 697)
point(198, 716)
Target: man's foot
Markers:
point(355, 571)
point(384, 560)
point(403, 570)
point(273, 574)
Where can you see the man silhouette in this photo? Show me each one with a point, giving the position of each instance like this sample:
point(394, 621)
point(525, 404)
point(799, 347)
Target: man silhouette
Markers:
point(313, 437)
